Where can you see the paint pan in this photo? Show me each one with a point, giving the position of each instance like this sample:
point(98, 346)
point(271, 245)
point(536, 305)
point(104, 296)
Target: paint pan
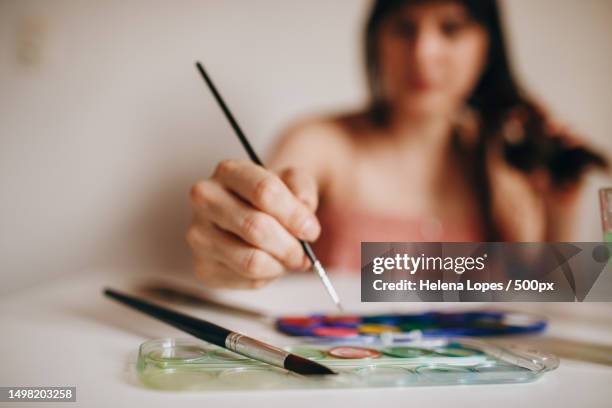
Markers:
point(194, 365)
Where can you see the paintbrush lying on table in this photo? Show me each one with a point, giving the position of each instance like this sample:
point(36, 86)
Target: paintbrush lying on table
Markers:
point(217, 335)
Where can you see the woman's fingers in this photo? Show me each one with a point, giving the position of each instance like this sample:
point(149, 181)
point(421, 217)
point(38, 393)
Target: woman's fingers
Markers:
point(303, 186)
point(265, 191)
point(242, 259)
point(518, 208)
point(213, 203)
point(247, 222)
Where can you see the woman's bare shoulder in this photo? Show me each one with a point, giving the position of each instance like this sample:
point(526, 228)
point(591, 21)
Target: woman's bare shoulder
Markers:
point(317, 138)
point(339, 128)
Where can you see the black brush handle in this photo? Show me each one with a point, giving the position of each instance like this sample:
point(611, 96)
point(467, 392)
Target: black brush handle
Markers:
point(199, 328)
point(228, 114)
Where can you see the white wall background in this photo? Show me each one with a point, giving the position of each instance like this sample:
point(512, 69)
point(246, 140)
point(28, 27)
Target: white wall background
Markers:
point(104, 123)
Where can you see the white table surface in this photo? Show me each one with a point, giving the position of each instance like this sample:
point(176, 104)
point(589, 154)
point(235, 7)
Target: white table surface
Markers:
point(67, 333)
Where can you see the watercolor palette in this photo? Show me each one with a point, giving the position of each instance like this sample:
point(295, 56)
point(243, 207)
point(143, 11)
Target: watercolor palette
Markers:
point(430, 324)
point(190, 364)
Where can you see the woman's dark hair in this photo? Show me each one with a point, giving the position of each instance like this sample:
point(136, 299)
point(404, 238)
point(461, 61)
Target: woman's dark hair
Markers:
point(496, 98)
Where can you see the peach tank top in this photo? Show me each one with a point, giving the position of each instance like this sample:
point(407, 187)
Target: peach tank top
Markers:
point(339, 245)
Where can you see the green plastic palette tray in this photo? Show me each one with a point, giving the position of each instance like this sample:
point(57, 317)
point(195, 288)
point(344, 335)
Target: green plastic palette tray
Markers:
point(190, 364)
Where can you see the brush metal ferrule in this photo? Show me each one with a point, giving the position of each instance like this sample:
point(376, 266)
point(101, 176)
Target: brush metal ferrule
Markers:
point(256, 349)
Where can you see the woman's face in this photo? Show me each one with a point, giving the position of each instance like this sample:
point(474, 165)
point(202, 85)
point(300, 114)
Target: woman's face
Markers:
point(431, 56)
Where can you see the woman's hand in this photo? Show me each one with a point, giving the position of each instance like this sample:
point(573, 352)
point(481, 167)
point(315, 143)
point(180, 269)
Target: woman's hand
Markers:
point(528, 206)
point(517, 203)
point(247, 221)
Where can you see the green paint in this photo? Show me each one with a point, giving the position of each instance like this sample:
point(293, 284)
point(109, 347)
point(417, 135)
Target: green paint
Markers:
point(307, 352)
point(406, 352)
point(409, 326)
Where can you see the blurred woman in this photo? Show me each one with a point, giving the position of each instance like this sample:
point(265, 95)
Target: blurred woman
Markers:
point(449, 148)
